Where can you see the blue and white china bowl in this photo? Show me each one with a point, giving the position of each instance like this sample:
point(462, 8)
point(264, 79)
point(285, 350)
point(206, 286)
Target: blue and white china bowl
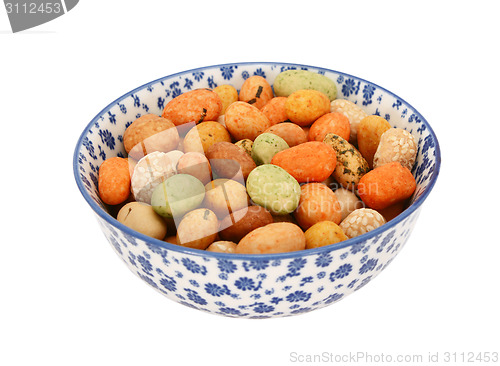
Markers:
point(252, 286)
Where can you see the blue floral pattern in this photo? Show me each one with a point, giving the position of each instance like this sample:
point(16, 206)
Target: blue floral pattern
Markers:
point(251, 286)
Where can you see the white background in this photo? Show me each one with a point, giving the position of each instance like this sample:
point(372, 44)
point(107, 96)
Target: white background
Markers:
point(67, 299)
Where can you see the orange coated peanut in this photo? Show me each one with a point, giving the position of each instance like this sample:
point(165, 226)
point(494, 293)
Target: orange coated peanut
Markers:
point(193, 106)
point(370, 129)
point(275, 110)
point(290, 132)
point(317, 203)
point(312, 161)
point(333, 122)
point(386, 185)
point(303, 107)
point(114, 181)
point(256, 91)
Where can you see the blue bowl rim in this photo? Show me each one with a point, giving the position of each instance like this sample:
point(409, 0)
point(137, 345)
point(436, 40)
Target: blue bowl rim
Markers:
point(256, 257)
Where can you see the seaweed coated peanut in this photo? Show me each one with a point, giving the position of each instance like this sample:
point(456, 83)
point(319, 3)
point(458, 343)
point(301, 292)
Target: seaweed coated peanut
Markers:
point(361, 221)
point(290, 81)
point(223, 196)
point(272, 187)
point(265, 146)
point(114, 181)
point(177, 195)
point(351, 165)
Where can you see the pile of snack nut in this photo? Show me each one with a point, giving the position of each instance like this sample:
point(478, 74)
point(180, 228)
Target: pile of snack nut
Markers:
point(260, 171)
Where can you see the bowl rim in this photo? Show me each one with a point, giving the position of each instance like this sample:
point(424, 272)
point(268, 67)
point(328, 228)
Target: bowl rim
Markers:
point(251, 257)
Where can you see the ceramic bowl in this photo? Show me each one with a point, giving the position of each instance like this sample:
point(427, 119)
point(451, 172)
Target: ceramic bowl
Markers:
point(252, 286)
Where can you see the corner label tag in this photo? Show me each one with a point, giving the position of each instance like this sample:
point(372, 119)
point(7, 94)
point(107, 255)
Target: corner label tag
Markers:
point(26, 14)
